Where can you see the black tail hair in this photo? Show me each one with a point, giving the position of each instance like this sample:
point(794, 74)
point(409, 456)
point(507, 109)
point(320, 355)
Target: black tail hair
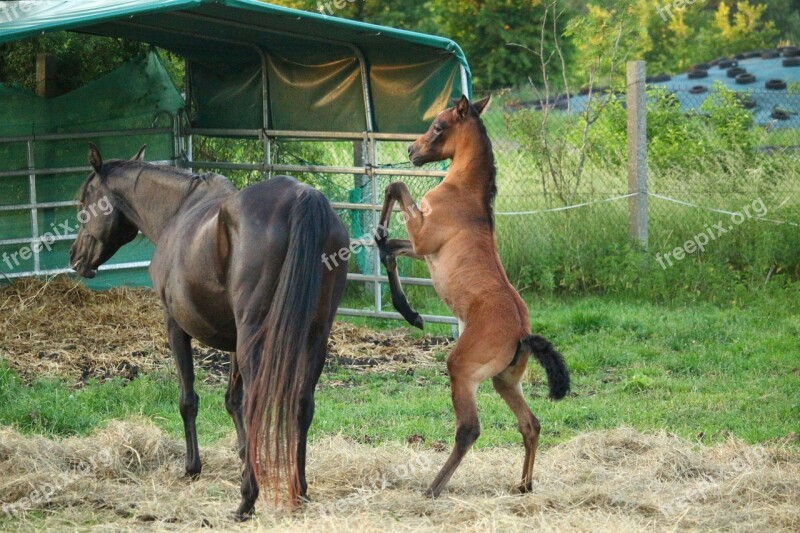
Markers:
point(552, 362)
point(283, 370)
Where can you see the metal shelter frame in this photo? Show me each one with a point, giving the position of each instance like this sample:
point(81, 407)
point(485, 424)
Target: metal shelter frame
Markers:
point(182, 136)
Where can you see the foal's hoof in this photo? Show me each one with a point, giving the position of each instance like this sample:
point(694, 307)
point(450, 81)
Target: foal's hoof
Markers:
point(524, 488)
point(418, 323)
point(242, 517)
point(430, 493)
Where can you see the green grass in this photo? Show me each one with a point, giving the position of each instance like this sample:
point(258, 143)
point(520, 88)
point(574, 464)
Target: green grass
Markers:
point(688, 369)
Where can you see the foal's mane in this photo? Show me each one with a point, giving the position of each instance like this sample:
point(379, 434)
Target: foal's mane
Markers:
point(491, 187)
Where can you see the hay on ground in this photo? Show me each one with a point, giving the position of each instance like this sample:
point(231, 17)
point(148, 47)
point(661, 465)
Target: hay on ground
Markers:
point(128, 477)
point(60, 328)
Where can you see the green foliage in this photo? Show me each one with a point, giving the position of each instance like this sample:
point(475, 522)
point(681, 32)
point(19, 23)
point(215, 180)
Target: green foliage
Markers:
point(668, 37)
point(80, 58)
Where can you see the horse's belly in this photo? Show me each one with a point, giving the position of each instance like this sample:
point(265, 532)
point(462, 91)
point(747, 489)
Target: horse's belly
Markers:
point(202, 311)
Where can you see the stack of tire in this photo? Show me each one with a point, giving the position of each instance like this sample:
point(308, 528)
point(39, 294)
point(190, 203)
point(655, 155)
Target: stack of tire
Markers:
point(791, 56)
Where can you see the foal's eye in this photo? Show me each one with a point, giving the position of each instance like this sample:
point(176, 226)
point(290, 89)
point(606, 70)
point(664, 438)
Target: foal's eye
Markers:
point(437, 128)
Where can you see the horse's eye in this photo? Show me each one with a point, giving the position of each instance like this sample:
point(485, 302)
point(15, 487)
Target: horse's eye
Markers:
point(437, 128)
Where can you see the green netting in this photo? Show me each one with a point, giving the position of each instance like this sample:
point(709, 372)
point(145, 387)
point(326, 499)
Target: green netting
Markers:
point(138, 95)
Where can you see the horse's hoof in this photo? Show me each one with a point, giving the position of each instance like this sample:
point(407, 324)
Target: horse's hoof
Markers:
point(192, 474)
point(524, 488)
point(242, 517)
point(430, 493)
point(418, 322)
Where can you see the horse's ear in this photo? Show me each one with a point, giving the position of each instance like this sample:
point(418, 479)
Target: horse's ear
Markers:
point(482, 104)
point(140, 154)
point(462, 107)
point(95, 159)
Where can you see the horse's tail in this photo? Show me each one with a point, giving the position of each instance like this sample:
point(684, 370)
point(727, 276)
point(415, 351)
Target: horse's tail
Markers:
point(552, 362)
point(282, 372)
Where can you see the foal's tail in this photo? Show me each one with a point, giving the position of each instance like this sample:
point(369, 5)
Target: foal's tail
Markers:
point(283, 370)
point(552, 362)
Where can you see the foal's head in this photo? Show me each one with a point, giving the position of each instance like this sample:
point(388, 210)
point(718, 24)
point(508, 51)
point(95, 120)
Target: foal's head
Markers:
point(449, 130)
point(104, 228)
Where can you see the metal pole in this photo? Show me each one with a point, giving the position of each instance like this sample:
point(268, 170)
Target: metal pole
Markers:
point(637, 152)
point(34, 208)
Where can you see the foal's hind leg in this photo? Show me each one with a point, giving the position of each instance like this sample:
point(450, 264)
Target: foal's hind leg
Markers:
point(233, 403)
point(474, 359)
point(507, 384)
point(181, 344)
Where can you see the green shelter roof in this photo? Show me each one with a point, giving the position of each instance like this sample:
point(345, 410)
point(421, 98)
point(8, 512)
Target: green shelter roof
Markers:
point(314, 69)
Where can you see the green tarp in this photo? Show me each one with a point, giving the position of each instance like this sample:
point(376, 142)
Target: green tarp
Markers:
point(138, 95)
point(313, 76)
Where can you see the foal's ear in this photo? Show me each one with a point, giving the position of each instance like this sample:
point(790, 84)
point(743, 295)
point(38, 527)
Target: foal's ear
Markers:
point(95, 159)
point(140, 154)
point(462, 107)
point(482, 104)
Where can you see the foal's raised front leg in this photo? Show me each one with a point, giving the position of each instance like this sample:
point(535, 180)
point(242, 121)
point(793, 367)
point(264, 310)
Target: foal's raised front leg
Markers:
point(389, 249)
point(181, 344)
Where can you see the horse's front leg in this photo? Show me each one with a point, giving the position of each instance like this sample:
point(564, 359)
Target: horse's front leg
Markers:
point(181, 344)
point(390, 249)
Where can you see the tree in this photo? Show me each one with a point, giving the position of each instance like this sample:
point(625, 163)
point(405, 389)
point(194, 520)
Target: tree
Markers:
point(81, 58)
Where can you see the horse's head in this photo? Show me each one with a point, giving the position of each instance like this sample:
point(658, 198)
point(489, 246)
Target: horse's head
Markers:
point(450, 128)
point(104, 228)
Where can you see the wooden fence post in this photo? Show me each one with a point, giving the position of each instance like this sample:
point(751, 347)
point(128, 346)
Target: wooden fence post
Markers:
point(637, 152)
point(46, 76)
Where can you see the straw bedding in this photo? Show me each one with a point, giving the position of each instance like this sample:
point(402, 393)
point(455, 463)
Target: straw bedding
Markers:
point(61, 328)
point(128, 477)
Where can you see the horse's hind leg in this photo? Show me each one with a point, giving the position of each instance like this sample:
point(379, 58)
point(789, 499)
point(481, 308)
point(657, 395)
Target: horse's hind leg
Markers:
point(479, 354)
point(181, 345)
point(507, 384)
point(233, 404)
point(306, 411)
point(246, 358)
point(468, 429)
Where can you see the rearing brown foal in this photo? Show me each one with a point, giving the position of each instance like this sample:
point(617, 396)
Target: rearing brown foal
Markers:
point(454, 234)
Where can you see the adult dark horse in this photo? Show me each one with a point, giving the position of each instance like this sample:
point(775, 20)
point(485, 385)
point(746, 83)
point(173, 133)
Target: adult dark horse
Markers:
point(239, 271)
point(454, 234)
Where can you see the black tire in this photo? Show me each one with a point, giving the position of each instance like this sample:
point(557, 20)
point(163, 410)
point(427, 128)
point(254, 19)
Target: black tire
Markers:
point(727, 63)
point(775, 85)
point(779, 114)
point(698, 89)
point(696, 74)
point(751, 54)
point(770, 54)
point(791, 62)
point(701, 66)
point(658, 78)
point(791, 51)
point(745, 78)
point(735, 71)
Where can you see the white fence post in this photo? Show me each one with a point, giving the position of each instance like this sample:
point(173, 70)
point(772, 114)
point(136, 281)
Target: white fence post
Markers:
point(637, 152)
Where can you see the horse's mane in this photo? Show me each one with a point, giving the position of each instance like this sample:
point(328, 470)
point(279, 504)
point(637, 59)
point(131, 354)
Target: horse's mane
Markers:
point(191, 178)
point(491, 188)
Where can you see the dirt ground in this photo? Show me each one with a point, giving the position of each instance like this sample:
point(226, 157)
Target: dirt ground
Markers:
point(128, 475)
